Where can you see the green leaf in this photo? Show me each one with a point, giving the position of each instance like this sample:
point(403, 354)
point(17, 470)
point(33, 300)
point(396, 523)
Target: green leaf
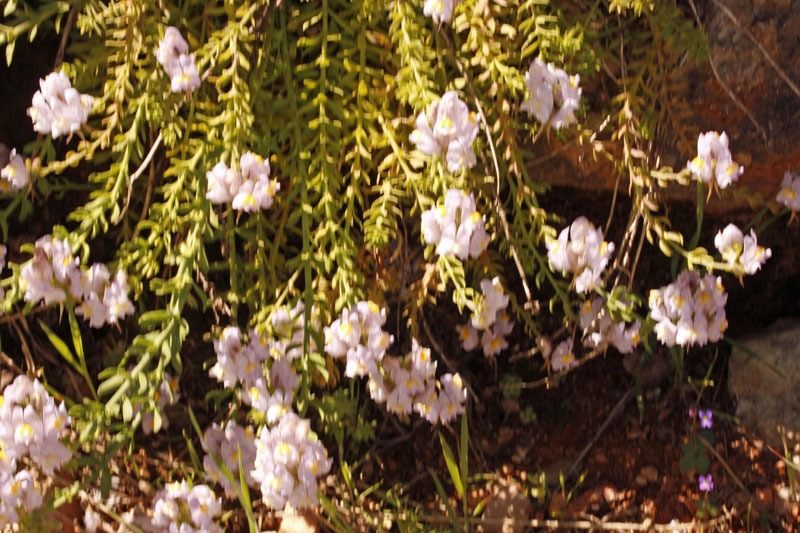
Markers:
point(443, 496)
point(452, 467)
point(61, 347)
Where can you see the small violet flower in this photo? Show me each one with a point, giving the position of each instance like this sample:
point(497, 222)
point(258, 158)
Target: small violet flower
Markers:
point(706, 419)
point(706, 483)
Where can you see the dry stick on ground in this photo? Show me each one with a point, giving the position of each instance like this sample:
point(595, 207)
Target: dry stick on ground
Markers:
point(615, 412)
point(497, 203)
point(725, 464)
point(727, 89)
point(590, 525)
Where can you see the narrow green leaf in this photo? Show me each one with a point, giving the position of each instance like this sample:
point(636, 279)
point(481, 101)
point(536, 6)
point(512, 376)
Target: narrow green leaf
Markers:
point(61, 347)
point(443, 495)
point(452, 467)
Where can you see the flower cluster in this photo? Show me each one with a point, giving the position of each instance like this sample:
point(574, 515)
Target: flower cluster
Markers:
point(440, 10)
point(167, 394)
point(581, 250)
point(741, 252)
point(492, 320)
point(789, 194)
point(288, 463)
point(551, 88)
point(54, 270)
point(251, 190)
point(180, 509)
point(14, 173)
point(600, 331)
point(231, 444)
point(179, 65)
point(714, 160)
point(562, 357)
point(358, 336)
point(456, 228)
point(57, 108)
point(410, 385)
point(690, 310)
point(31, 425)
point(242, 363)
point(454, 129)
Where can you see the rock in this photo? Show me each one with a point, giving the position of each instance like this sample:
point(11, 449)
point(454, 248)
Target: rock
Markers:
point(509, 505)
point(766, 400)
point(764, 499)
point(592, 500)
point(295, 521)
point(650, 473)
point(746, 71)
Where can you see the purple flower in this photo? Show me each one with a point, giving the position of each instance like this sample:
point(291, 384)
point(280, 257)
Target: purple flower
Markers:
point(706, 483)
point(705, 419)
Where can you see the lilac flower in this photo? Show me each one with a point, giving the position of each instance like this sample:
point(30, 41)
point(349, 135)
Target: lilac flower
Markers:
point(57, 108)
point(249, 191)
point(288, 463)
point(599, 331)
point(714, 161)
point(581, 250)
point(689, 311)
point(741, 252)
point(456, 227)
point(453, 130)
point(14, 174)
point(706, 418)
point(181, 509)
point(789, 194)
point(179, 65)
point(439, 10)
point(491, 319)
point(562, 357)
point(551, 89)
point(706, 483)
point(231, 444)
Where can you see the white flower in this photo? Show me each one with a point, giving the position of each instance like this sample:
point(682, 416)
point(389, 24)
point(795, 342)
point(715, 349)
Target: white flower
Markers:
point(741, 252)
point(753, 255)
point(714, 161)
point(91, 520)
point(554, 94)
point(173, 54)
point(539, 80)
point(288, 463)
point(581, 250)
point(453, 131)
point(14, 174)
point(223, 183)
point(789, 194)
point(456, 228)
point(115, 298)
point(689, 311)
point(57, 108)
point(439, 10)
point(562, 357)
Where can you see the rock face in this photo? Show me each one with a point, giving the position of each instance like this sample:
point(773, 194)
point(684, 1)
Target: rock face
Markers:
point(766, 152)
point(766, 400)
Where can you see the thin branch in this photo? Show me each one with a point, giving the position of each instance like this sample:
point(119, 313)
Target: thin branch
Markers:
point(65, 37)
point(136, 175)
